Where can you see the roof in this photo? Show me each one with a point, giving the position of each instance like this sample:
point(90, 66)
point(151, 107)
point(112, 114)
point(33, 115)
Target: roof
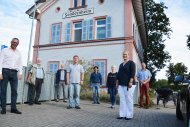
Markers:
point(139, 9)
point(39, 6)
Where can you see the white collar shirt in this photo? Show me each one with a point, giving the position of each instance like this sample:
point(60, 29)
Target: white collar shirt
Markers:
point(10, 59)
point(75, 71)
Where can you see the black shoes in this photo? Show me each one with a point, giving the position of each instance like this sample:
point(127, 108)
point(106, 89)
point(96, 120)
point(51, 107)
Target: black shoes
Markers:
point(127, 118)
point(38, 103)
point(69, 107)
point(98, 102)
point(3, 111)
point(30, 103)
point(15, 111)
point(120, 117)
point(77, 107)
point(124, 118)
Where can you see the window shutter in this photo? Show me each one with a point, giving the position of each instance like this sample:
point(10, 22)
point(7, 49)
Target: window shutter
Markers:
point(91, 29)
point(58, 33)
point(68, 32)
point(108, 27)
point(84, 30)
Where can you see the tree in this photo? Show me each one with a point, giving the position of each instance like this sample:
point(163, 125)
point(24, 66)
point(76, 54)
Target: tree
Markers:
point(174, 70)
point(160, 83)
point(158, 26)
point(188, 41)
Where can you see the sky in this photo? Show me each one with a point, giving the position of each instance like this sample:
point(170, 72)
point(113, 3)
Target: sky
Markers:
point(14, 22)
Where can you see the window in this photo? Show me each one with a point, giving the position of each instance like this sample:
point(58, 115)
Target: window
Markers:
point(53, 67)
point(56, 33)
point(75, 3)
point(102, 65)
point(78, 31)
point(83, 3)
point(101, 29)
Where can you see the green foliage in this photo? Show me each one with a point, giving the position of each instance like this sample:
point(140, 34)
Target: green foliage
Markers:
point(88, 69)
point(160, 84)
point(188, 41)
point(174, 70)
point(158, 26)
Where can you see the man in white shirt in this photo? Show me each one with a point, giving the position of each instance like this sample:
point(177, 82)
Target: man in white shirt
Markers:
point(10, 64)
point(75, 77)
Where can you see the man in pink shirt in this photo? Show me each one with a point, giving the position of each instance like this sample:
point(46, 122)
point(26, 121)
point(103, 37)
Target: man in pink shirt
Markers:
point(10, 64)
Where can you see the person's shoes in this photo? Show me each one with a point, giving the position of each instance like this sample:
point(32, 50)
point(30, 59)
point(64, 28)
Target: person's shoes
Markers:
point(69, 107)
point(77, 107)
point(147, 107)
point(38, 103)
point(113, 107)
point(127, 118)
point(120, 117)
point(93, 102)
point(3, 111)
point(64, 100)
point(30, 103)
point(15, 111)
point(57, 100)
point(98, 102)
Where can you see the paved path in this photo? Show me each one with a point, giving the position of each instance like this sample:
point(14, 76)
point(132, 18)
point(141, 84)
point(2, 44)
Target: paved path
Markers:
point(55, 114)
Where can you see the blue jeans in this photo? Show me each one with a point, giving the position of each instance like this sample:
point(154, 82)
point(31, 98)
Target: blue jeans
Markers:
point(96, 92)
point(9, 76)
point(74, 89)
point(112, 91)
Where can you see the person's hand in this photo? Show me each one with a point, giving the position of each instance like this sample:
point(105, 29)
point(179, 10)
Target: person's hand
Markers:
point(130, 84)
point(81, 82)
point(1, 77)
point(19, 76)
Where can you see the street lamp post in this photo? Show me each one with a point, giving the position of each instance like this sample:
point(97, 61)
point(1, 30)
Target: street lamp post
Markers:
point(30, 43)
point(31, 34)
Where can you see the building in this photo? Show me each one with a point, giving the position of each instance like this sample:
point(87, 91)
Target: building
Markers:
point(96, 30)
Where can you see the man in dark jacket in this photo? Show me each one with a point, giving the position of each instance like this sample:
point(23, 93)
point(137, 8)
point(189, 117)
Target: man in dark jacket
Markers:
point(126, 75)
point(61, 81)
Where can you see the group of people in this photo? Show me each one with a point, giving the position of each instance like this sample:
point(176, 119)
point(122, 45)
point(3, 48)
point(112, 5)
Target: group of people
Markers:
point(71, 80)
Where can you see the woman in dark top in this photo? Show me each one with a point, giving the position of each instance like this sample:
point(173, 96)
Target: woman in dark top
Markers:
point(111, 84)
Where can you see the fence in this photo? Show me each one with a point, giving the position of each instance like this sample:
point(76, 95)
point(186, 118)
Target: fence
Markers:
point(47, 92)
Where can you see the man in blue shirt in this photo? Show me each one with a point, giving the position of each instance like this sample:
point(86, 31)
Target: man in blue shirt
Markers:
point(144, 77)
point(96, 81)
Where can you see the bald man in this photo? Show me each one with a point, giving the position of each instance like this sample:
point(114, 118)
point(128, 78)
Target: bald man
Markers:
point(144, 77)
point(37, 75)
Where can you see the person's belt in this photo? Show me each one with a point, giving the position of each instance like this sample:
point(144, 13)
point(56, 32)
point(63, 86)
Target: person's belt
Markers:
point(39, 78)
point(12, 70)
point(74, 83)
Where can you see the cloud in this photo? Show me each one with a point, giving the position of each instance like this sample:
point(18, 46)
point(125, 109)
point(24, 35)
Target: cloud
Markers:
point(15, 23)
point(178, 14)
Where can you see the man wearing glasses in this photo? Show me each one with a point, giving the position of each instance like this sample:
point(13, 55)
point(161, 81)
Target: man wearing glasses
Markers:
point(10, 64)
point(125, 78)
